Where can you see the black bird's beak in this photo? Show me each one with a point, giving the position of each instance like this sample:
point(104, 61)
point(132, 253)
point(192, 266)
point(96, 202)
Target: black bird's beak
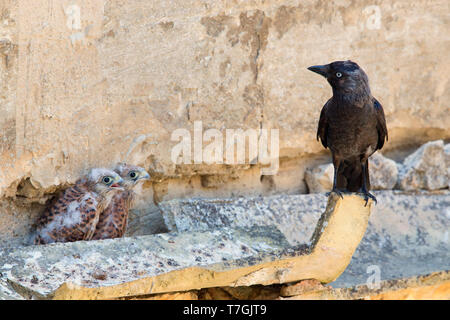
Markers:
point(322, 70)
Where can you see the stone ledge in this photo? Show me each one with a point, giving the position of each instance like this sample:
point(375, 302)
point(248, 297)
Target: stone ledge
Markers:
point(434, 286)
point(7, 292)
point(225, 251)
point(295, 216)
point(407, 235)
point(83, 270)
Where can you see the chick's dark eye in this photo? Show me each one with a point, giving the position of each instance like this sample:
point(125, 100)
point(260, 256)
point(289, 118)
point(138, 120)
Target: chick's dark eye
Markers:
point(132, 174)
point(107, 180)
point(338, 74)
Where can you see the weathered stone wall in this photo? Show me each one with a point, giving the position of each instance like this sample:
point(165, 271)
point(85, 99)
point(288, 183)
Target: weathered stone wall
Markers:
point(113, 83)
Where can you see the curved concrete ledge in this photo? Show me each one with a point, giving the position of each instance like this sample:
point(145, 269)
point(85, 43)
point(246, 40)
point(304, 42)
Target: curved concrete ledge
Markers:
point(336, 237)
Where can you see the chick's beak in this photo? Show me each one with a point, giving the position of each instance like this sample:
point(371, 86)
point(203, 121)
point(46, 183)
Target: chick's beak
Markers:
point(144, 175)
point(117, 183)
point(322, 70)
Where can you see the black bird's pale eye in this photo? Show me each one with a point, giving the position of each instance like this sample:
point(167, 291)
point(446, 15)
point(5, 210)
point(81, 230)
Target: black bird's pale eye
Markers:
point(107, 180)
point(338, 74)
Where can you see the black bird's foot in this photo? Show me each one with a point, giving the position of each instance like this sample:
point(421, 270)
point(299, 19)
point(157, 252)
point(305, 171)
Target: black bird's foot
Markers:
point(368, 195)
point(336, 191)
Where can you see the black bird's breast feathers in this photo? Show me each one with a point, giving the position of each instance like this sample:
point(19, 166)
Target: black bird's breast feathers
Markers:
point(328, 114)
point(351, 124)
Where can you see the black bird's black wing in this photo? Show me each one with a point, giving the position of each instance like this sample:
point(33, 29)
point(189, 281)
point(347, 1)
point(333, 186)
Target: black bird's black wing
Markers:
point(381, 124)
point(322, 130)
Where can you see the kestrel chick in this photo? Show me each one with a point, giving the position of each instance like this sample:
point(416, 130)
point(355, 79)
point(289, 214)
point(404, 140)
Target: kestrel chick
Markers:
point(113, 220)
point(74, 215)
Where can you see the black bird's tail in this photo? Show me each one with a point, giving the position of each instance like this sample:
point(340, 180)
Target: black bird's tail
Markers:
point(350, 175)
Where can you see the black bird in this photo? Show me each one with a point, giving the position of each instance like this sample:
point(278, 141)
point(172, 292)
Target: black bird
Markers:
point(352, 125)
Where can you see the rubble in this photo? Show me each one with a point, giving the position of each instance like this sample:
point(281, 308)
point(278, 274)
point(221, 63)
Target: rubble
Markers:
point(425, 168)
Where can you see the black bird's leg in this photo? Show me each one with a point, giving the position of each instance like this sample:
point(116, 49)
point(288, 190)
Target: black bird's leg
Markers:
point(364, 190)
point(336, 164)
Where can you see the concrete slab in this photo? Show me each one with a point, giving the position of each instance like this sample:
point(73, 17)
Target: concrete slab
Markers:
point(7, 292)
point(189, 260)
point(40, 270)
point(295, 216)
point(408, 233)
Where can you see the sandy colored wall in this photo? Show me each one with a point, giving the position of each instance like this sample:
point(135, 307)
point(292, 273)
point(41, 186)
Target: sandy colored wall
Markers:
point(113, 82)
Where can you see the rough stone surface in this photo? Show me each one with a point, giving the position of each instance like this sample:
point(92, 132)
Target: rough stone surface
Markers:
point(7, 292)
point(301, 287)
point(447, 161)
point(426, 168)
point(103, 263)
point(383, 172)
point(121, 77)
point(433, 286)
point(240, 293)
point(145, 222)
point(296, 215)
point(447, 154)
point(189, 295)
point(408, 233)
point(407, 236)
point(190, 260)
point(320, 179)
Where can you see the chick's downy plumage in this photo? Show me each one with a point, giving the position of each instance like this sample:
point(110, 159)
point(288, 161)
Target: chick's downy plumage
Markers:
point(114, 219)
point(74, 214)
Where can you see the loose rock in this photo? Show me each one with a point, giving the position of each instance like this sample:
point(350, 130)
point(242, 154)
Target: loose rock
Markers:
point(426, 168)
point(447, 162)
point(320, 178)
point(383, 172)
